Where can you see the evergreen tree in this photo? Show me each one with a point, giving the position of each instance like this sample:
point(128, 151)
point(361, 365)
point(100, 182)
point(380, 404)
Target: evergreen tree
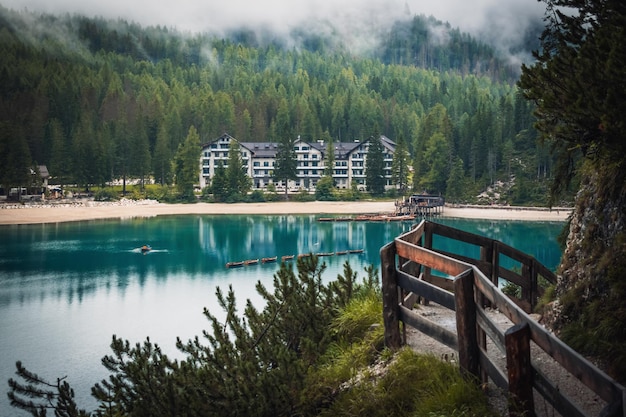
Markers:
point(436, 157)
point(236, 177)
point(455, 186)
point(286, 164)
point(187, 164)
point(161, 165)
point(400, 166)
point(14, 157)
point(38, 396)
point(374, 168)
point(219, 184)
point(325, 189)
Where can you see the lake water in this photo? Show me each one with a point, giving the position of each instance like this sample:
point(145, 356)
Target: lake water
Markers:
point(66, 288)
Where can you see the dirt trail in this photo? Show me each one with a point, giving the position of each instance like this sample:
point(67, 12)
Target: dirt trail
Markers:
point(568, 384)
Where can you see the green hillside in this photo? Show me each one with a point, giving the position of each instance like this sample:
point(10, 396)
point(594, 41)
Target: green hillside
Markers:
point(96, 100)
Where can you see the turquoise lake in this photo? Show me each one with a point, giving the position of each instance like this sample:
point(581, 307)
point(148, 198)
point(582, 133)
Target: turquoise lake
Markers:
point(66, 288)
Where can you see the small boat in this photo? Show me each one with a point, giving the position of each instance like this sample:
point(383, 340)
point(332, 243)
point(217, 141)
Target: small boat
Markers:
point(146, 248)
point(304, 255)
point(287, 257)
point(355, 251)
point(325, 254)
point(251, 262)
point(341, 252)
point(269, 259)
point(234, 264)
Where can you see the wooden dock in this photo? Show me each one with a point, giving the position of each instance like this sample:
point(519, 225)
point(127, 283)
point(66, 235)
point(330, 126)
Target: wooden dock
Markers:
point(420, 205)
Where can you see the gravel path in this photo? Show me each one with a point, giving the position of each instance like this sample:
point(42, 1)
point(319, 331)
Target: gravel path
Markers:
point(568, 384)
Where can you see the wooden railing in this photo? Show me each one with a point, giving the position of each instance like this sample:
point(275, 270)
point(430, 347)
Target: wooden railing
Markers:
point(467, 285)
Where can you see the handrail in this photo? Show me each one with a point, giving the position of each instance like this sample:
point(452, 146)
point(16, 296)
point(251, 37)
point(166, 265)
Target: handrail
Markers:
point(406, 264)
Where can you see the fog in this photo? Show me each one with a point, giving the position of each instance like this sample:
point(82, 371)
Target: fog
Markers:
point(499, 22)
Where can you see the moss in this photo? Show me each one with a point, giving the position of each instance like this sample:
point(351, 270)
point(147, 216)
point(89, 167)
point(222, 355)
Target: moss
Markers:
point(413, 385)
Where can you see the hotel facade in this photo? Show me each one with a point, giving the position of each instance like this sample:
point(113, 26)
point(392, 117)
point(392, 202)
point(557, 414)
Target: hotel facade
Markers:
point(259, 158)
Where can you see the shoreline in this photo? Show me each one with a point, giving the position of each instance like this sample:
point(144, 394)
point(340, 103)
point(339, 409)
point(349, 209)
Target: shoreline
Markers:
point(123, 209)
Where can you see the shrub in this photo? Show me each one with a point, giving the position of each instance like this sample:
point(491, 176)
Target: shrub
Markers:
point(106, 194)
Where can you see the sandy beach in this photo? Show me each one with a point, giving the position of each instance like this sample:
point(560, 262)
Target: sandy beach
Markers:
point(90, 210)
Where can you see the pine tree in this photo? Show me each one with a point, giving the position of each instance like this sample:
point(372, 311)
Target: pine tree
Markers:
point(219, 184)
point(236, 177)
point(374, 167)
point(187, 163)
point(286, 165)
point(38, 395)
point(400, 166)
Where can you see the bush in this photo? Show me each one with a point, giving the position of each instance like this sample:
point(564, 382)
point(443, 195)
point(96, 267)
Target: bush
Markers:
point(106, 194)
point(325, 189)
point(256, 196)
point(303, 195)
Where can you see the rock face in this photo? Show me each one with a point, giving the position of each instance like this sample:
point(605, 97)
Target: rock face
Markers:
point(589, 311)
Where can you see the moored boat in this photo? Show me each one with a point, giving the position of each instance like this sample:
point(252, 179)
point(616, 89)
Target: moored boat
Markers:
point(355, 251)
point(234, 264)
point(287, 257)
point(251, 261)
point(269, 259)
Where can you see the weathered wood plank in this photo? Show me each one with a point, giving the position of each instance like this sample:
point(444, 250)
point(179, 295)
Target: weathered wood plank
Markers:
point(577, 365)
point(457, 234)
point(519, 370)
point(513, 277)
point(441, 282)
point(551, 393)
point(466, 323)
point(426, 290)
point(491, 328)
point(390, 296)
point(430, 259)
point(429, 328)
point(496, 375)
point(414, 235)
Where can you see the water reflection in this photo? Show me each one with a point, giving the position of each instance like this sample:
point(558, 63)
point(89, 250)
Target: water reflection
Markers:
point(73, 260)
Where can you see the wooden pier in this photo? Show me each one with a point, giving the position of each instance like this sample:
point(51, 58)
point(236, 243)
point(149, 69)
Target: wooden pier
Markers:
point(420, 205)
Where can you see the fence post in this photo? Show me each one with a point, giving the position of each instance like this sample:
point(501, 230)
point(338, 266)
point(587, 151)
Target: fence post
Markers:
point(520, 372)
point(390, 296)
point(465, 306)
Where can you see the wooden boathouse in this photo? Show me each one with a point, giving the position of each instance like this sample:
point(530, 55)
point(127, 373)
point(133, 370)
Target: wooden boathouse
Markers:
point(422, 205)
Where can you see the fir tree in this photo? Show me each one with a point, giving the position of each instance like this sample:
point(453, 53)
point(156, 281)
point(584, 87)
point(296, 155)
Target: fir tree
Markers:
point(286, 163)
point(238, 182)
point(187, 163)
point(374, 169)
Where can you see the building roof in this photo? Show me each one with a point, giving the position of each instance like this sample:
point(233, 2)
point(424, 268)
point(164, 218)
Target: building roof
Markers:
point(269, 149)
point(262, 149)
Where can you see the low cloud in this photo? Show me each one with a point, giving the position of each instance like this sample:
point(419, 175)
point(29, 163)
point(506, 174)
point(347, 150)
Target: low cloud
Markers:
point(500, 22)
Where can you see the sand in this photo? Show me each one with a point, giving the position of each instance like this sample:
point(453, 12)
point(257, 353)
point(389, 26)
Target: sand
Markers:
point(89, 210)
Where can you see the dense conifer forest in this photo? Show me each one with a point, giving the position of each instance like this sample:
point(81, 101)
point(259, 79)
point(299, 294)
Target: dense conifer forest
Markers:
point(96, 100)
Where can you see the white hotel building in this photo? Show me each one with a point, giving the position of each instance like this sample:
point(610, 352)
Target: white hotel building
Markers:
point(259, 157)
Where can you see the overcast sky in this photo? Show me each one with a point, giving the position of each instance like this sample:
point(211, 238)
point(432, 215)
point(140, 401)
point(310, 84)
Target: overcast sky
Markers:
point(500, 20)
